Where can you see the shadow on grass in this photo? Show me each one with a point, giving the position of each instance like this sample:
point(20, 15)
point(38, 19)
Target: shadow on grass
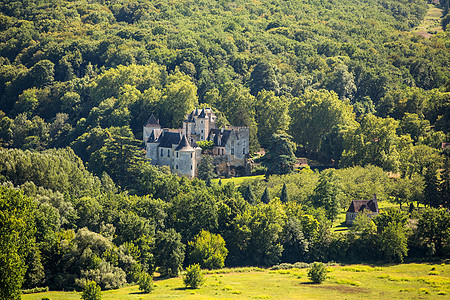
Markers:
point(184, 288)
point(138, 293)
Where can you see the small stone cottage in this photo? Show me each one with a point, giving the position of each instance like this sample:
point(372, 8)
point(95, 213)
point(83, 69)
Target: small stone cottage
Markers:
point(361, 206)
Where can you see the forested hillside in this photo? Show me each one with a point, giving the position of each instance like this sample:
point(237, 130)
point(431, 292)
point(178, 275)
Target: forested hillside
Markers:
point(72, 67)
point(344, 83)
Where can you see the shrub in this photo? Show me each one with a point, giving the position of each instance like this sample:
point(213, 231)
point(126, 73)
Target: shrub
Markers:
point(208, 250)
point(92, 291)
point(317, 273)
point(193, 277)
point(35, 290)
point(146, 282)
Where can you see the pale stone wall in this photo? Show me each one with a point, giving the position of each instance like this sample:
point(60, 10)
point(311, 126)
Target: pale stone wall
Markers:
point(167, 156)
point(152, 153)
point(237, 146)
point(351, 216)
point(186, 163)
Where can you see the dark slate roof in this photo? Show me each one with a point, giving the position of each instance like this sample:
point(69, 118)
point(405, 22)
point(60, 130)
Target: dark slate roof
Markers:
point(190, 117)
point(167, 139)
point(184, 145)
point(151, 138)
point(154, 136)
point(361, 205)
point(214, 135)
point(202, 114)
point(152, 121)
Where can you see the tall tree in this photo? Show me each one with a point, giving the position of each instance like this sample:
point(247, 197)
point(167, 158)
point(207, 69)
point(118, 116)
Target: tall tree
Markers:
point(16, 240)
point(265, 198)
point(271, 115)
point(280, 157)
point(248, 195)
point(205, 168)
point(284, 198)
point(328, 194)
point(315, 115)
point(169, 252)
point(179, 98)
point(374, 142)
point(263, 77)
point(120, 157)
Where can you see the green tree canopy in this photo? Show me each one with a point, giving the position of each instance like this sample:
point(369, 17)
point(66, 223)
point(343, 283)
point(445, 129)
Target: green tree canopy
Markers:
point(280, 157)
point(16, 240)
point(208, 250)
point(315, 114)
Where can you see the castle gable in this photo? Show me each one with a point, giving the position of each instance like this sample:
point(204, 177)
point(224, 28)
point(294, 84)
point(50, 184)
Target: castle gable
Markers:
point(219, 137)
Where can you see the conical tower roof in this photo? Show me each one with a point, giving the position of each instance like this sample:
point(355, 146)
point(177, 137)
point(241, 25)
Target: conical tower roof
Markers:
point(184, 145)
point(152, 121)
point(202, 114)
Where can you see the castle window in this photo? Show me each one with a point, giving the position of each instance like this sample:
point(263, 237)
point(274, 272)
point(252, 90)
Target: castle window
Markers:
point(243, 150)
point(177, 155)
point(202, 130)
point(232, 151)
point(162, 152)
point(191, 167)
point(168, 152)
point(201, 122)
point(191, 155)
point(176, 167)
point(222, 151)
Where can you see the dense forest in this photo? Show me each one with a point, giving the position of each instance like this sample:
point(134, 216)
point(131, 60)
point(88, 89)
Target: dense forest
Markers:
point(343, 83)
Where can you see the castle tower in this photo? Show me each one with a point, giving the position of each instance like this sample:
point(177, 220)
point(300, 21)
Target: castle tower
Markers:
point(202, 119)
point(152, 123)
point(185, 159)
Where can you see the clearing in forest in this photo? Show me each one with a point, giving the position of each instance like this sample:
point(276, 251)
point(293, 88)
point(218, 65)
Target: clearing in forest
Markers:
point(431, 23)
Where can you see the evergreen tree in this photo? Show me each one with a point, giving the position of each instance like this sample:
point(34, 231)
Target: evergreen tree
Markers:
point(280, 157)
point(249, 196)
point(445, 183)
point(263, 77)
point(284, 194)
point(205, 168)
point(169, 252)
point(328, 194)
point(431, 192)
point(265, 198)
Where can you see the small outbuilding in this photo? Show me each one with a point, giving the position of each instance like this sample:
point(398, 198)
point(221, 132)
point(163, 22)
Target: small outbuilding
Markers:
point(361, 206)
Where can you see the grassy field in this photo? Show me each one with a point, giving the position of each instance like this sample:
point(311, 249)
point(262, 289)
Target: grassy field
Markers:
point(431, 23)
point(238, 180)
point(412, 281)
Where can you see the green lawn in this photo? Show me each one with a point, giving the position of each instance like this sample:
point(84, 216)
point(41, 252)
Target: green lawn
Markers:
point(411, 281)
point(238, 180)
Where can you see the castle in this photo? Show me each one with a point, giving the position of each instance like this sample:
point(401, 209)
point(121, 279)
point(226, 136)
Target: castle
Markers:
point(178, 149)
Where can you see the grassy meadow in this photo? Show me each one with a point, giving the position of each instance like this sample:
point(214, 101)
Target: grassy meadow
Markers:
point(431, 23)
point(412, 281)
